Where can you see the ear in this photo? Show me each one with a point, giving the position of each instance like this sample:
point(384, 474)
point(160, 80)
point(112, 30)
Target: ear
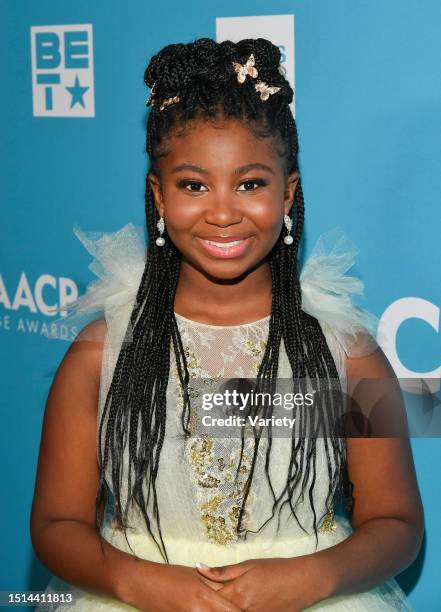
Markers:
point(290, 190)
point(155, 184)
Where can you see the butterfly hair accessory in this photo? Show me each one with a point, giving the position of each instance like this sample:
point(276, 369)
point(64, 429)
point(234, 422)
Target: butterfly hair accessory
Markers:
point(242, 70)
point(265, 90)
point(169, 102)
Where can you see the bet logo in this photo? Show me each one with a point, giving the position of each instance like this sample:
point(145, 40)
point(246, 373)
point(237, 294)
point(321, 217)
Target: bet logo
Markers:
point(62, 71)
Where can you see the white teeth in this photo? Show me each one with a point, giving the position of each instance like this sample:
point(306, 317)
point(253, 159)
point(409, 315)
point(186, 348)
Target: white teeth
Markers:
point(224, 244)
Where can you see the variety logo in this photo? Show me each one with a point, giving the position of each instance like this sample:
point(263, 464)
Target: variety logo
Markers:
point(279, 29)
point(62, 71)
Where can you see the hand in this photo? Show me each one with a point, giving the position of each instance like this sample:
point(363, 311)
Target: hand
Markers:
point(270, 585)
point(179, 588)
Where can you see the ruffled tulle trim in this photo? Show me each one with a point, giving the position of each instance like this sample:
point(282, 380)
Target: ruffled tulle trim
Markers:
point(119, 261)
point(328, 294)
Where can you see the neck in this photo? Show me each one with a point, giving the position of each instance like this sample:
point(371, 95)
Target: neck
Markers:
point(210, 300)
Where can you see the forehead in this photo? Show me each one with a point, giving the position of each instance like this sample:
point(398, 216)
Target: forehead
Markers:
point(223, 144)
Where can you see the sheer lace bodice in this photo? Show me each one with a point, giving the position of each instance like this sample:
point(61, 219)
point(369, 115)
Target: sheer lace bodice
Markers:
point(198, 498)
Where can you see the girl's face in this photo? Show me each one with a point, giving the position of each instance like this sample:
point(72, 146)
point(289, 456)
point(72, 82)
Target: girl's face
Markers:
point(219, 183)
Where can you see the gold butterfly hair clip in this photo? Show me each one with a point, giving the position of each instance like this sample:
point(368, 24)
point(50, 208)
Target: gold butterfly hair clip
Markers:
point(242, 70)
point(266, 90)
point(165, 104)
point(169, 102)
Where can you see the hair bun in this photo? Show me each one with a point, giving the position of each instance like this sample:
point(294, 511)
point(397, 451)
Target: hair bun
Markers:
point(209, 65)
point(175, 67)
point(266, 54)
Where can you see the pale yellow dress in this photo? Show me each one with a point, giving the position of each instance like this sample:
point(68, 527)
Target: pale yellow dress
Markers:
point(198, 499)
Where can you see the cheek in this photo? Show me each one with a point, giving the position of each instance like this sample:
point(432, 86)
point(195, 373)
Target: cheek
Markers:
point(181, 212)
point(266, 214)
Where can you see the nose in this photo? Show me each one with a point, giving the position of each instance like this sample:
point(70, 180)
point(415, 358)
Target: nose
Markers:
point(222, 210)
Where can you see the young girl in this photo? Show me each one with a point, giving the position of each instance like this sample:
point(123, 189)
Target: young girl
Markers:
point(133, 508)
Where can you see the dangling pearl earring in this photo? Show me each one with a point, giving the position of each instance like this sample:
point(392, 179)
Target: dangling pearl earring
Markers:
point(160, 225)
point(288, 223)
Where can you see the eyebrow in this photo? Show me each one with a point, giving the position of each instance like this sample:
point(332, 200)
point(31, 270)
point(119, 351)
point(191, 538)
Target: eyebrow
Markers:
point(240, 170)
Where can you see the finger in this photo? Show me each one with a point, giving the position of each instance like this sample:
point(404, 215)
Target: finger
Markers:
point(222, 573)
point(225, 605)
point(216, 586)
point(230, 595)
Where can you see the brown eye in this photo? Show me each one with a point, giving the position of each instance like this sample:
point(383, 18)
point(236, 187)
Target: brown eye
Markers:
point(258, 182)
point(194, 186)
point(191, 185)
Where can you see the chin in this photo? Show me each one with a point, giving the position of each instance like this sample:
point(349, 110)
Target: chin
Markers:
point(225, 269)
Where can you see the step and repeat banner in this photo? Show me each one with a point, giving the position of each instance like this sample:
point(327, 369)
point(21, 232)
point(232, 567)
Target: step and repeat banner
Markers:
point(367, 99)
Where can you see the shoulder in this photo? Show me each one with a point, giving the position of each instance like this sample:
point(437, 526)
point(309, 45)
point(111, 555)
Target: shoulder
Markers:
point(75, 386)
point(94, 332)
point(370, 378)
point(84, 355)
point(376, 402)
point(366, 359)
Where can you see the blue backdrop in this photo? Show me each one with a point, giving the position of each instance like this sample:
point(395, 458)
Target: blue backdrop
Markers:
point(367, 106)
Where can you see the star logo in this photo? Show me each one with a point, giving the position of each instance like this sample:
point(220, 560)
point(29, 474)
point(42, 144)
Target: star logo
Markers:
point(77, 92)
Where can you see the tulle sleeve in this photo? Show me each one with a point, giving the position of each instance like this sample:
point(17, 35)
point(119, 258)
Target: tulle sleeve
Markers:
point(327, 294)
point(118, 263)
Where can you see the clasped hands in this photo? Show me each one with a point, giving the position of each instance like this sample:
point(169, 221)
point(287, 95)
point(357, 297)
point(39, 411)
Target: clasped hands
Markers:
point(267, 585)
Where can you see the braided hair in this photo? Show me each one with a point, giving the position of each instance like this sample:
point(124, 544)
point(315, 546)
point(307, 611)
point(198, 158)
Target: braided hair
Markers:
point(197, 81)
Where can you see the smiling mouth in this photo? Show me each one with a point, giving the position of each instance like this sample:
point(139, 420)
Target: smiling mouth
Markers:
point(224, 244)
point(232, 248)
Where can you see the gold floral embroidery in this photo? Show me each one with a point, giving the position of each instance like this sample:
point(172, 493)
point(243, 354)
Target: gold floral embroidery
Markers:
point(214, 461)
point(256, 349)
point(194, 368)
point(192, 360)
point(212, 504)
point(208, 482)
point(216, 528)
point(329, 525)
point(219, 509)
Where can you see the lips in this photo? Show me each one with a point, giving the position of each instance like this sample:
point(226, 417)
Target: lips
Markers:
point(228, 238)
point(225, 246)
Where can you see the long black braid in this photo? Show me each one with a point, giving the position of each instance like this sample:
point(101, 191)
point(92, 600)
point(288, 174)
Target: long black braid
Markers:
point(201, 74)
